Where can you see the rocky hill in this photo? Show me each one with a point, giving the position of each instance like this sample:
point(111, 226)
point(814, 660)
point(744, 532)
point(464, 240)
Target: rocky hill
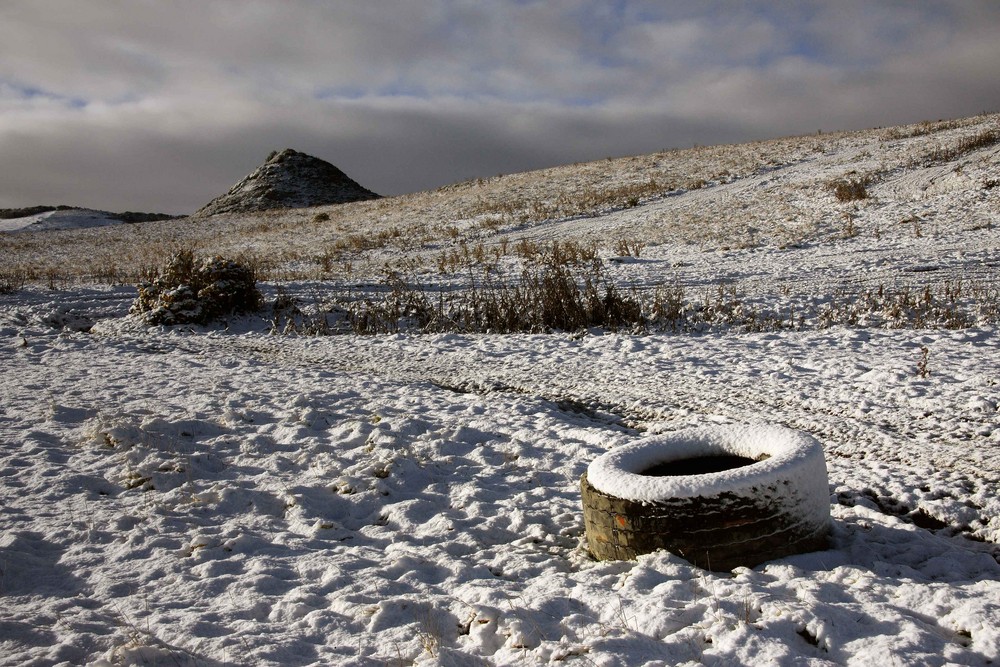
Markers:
point(288, 179)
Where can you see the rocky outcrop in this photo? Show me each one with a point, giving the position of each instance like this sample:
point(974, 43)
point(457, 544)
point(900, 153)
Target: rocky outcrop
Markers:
point(288, 179)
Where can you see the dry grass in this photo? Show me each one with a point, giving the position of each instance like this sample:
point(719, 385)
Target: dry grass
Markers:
point(851, 189)
point(963, 146)
point(947, 305)
point(626, 247)
point(854, 187)
point(561, 288)
point(498, 211)
point(12, 280)
point(921, 129)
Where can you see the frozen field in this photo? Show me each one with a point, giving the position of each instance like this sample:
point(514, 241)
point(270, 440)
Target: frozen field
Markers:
point(224, 495)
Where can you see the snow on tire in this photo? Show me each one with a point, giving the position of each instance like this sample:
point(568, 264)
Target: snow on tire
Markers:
point(720, 497)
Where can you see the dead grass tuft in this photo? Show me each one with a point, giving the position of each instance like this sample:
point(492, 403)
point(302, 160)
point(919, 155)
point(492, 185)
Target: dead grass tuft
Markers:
point(13, 280)
point(850, 189)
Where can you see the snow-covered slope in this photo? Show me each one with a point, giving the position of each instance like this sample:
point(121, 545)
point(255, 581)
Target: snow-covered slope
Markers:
point(69, 217)
point(75, 218)
point(226, 495)
point(706, 204)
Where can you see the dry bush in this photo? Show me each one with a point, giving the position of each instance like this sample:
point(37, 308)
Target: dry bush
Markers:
point(669, 309)
point(551, 297)
point(402, 307)
point(561, 253)
point(527, 249)
point(624, 247)
point(356, 243)
point(554, 295)
point(13, 280)
point(198, 292)
point(850, 229)
point(850, 189)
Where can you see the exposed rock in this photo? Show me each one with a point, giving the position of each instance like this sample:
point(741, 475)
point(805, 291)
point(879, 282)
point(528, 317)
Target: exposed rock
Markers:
point(289, 179)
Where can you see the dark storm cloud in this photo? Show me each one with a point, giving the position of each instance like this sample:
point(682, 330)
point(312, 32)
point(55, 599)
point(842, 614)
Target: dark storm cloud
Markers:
point(161, 106)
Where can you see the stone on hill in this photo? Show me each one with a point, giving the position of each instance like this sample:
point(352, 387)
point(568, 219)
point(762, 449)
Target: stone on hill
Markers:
point(289, 179)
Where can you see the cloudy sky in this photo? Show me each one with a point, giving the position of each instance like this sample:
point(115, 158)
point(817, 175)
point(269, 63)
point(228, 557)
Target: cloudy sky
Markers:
point(159, 105)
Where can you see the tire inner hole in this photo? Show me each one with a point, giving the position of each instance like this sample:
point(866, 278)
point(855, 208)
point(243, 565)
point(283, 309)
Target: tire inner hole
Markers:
point(699, 465)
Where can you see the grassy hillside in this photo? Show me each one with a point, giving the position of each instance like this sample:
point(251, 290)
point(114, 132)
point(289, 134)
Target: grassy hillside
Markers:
point(782, 193)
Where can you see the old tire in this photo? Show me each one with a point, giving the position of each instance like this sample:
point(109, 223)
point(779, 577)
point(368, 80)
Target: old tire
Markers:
point(774, 507)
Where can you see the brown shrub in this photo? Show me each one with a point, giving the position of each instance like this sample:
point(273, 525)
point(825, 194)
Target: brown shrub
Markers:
point(850, 189)
point(187, 291)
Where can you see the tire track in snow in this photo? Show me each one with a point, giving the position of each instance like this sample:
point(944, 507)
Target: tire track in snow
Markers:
point(663, 382)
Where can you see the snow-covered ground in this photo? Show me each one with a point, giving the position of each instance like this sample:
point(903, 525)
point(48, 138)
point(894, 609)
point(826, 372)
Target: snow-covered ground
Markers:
point(223, 495)
point(222, 498)
point(77, 218)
